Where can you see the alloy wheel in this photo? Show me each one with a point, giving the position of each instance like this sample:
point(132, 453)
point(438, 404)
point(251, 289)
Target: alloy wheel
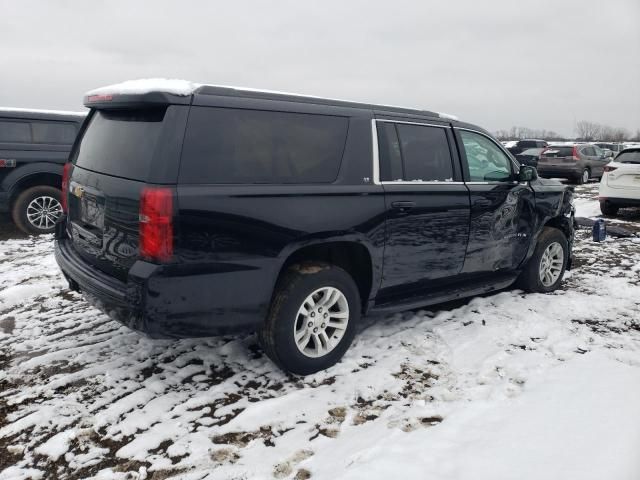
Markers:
point(551, 264)
point(321, 322)
point(43, 212)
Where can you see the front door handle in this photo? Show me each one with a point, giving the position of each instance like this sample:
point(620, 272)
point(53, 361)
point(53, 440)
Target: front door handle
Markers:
point(403, 206)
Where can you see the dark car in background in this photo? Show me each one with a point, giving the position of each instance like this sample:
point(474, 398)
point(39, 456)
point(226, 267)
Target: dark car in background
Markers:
point(530, 156)
point(34, 146)
point(519, 146)
point(219, 209)
point(576, 162)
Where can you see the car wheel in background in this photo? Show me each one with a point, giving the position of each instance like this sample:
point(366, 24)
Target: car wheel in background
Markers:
point(607, 209)
point(37, 209)
point(584, 177)
point(312, 319)
point(543, 273)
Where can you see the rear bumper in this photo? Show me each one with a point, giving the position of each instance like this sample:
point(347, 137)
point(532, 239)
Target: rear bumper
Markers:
point(560, 171)
point(621, 201)
point(162, 303)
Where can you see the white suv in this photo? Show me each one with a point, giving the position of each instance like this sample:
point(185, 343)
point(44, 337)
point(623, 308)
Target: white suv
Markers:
point(620, 182)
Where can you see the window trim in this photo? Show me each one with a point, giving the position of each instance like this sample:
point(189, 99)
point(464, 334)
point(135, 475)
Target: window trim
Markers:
point(376, 155)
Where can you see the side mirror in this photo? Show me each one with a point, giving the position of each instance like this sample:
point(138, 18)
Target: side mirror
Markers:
point(527, 173)
point(608, 154)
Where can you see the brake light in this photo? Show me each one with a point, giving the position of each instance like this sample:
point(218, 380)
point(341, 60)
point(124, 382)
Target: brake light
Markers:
point(574, 154)
point(156, 223)
point(608, 168)
point(66, 171)
point(99, 98)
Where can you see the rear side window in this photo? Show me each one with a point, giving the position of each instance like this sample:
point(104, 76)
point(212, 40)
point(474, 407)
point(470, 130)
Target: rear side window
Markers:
point(53, 132)
point(224, 145)
point(15, 132)
point(120, 143)
point(413, 153)
point(425, 153)
point(629, 157)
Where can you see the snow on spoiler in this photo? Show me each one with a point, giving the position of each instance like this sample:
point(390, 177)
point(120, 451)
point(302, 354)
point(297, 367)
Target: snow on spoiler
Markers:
point(140, 87)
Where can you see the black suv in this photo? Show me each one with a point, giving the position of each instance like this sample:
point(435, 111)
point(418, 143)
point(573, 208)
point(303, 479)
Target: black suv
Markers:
point(34, 146)
point(219, 209)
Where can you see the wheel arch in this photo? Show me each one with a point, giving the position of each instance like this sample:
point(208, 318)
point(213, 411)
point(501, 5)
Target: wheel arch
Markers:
point(32, 175)
point(352, 256)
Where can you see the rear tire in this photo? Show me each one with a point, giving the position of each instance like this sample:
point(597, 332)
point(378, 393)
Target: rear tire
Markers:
point(544, 270)
point(286, 329)
point(608, 210)
point(36, 209)
point(584, 177)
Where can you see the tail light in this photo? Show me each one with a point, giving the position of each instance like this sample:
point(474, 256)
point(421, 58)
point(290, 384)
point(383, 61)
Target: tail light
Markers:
point(574, 154)
point(156, 224)
point(66, 171)
point(608, 168)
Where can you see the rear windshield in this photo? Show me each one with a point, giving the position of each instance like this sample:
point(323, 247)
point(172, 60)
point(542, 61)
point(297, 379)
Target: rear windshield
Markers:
point(225, 145)
point(120, 143)
point(558, 152)
point(629, 157)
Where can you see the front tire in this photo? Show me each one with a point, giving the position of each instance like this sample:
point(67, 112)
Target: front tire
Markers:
point(543, 273)
point(37, 209)
point(312, 319)
point(608, 210)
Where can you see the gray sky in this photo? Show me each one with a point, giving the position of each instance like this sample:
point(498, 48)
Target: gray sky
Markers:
point(496, 63)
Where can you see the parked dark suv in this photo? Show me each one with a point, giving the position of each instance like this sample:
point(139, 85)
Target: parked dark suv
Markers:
point(34, 146)
point(221, 209)
point(518, 146)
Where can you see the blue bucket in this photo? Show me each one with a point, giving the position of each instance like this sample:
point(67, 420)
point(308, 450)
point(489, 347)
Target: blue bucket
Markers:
point(599, 230)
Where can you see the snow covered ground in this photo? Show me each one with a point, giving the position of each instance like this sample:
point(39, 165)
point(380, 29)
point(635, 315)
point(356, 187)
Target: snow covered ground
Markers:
point(499, 387)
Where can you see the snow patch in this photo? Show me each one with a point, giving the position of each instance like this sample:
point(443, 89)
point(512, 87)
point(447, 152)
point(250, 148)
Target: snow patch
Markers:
point(447, 115)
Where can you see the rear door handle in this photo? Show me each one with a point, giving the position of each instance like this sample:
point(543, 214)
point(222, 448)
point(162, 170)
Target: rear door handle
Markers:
point(403, 205)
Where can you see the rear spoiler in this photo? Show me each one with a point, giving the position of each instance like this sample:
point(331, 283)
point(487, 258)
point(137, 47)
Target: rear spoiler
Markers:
point(114, 101)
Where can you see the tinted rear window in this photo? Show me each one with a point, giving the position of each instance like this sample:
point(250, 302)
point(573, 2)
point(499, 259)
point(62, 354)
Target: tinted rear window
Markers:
point(559, 152)
point(15, 132)
point(629, 157)
point(425, 153)
point(224, 145)
point(53, 132)
point(120, 143)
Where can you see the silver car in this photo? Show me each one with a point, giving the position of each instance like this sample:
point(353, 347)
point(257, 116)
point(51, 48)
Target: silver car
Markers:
point(577, 163)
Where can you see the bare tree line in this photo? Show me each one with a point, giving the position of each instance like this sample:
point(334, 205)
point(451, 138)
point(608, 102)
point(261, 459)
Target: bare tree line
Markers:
point(585, 130)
